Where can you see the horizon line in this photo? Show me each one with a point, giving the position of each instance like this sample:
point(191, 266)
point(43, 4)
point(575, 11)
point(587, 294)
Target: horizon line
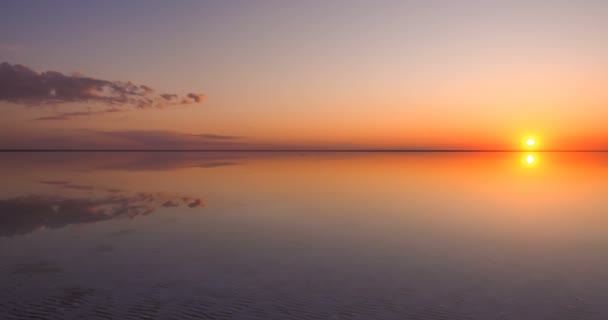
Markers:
point(304, 150)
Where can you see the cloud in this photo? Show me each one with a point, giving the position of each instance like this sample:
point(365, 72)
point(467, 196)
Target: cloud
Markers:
point(160, 139)
point(196, 97)
point(22, 85)
point(217, 136)
point(169, 96)
point(196, 203)
point(69, 185)
point(87, 139)
point(70, 115)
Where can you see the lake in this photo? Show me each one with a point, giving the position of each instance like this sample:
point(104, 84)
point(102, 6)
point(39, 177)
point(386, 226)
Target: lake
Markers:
point(297, 235)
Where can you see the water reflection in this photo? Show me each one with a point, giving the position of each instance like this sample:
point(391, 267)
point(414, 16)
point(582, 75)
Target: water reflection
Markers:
point(530, 159)
point(304, 236)
point(26, 213)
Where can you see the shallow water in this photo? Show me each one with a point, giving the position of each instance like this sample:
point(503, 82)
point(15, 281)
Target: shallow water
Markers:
point(303, 236)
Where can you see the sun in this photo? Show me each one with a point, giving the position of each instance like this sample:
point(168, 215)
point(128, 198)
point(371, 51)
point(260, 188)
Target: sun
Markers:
point(530, 142)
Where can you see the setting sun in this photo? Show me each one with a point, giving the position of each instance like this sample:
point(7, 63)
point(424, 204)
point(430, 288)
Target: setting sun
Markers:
point(530, 142)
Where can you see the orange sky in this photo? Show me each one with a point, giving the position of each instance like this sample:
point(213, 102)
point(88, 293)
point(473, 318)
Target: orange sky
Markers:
point(317, 75)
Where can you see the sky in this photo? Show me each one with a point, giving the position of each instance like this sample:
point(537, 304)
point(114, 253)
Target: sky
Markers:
point(303, 74)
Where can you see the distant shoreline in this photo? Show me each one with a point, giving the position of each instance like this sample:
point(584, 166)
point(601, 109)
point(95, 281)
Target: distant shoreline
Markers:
point(298, 150)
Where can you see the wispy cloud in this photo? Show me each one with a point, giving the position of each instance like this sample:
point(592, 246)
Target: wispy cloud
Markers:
point(22, 85)
point(171, 140)
point(70, 115)
point(126, 140)
point(217, 136)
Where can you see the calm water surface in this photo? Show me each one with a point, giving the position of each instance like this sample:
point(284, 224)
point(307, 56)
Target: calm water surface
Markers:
point(303, 236)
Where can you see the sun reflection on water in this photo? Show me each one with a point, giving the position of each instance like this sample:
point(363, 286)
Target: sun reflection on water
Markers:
point(530, 160)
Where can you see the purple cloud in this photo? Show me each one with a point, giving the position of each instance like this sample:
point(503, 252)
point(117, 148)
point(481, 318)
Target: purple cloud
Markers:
point(171, 140)
point(70, 115)
point(22, 85)
point(212, 136)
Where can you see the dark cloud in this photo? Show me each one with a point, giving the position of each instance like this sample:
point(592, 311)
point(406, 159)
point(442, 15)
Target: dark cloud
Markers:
point(54, 182)
point(24, 214)
point(196, 97)
point(22, 85)
point(69, 185)
point(217, 164)
point(74, 186)
point(196, 203)
point(86, 139)
point(217, 136)
point(70, 115)
point(169, 96)
point(161, 139)
point(170, 204)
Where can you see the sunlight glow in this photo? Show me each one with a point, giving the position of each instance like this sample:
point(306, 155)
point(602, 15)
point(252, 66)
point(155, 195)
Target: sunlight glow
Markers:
point(530, 142)
point(530, 159)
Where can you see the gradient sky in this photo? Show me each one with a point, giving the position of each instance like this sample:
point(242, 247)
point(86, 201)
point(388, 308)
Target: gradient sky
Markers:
point(313, 74)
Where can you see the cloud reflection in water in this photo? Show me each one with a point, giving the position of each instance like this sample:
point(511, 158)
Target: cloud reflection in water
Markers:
point(24, 214)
